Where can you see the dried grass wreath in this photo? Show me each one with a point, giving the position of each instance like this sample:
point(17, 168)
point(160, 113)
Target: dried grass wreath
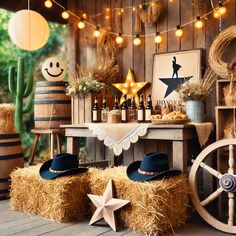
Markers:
point(217, 50)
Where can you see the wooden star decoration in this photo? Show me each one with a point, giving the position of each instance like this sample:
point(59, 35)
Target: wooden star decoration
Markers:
point(130, 88)
point(106, 205)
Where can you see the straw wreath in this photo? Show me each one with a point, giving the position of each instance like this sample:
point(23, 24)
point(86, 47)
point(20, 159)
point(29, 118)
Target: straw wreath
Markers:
point(217, 51)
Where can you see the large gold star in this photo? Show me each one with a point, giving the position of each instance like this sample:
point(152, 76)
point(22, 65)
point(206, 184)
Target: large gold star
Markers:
point(106, 205)
point(130, 88)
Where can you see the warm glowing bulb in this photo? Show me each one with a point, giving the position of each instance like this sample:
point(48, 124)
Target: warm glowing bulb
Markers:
point(48, 3)
point(199, 23)
point(131, 84)
point(140, 6)
point(171, 0)
point(126, 85)
point(65, 14)
point(158, 38)
point(107, 17)
point(107, 9)
point(134, 8)
point(121, 10)
point(81, 25)
point(134, 90)
point(84, 15)
point(124, 91)
point(216, 14)
point(222, 10)
point(137, 41)
point(179, 32)
point(119, 39)
point(96, 32)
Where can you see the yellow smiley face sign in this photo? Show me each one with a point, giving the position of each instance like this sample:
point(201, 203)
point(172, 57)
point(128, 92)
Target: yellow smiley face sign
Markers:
point(54, 69)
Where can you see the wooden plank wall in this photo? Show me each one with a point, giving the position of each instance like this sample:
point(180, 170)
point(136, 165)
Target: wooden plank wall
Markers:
point(140, 58)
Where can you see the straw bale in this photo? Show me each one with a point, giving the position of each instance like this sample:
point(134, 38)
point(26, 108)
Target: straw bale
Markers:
point(62, 200)
point(7, 119)
point(155, 207)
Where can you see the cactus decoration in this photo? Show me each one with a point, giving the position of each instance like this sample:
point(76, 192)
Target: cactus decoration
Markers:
point(19, 90)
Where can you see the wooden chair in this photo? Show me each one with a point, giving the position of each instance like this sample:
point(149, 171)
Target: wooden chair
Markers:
point(53, 133)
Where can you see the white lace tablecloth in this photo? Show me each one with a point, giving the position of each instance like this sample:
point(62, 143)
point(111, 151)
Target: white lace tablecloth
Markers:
point(118, 137)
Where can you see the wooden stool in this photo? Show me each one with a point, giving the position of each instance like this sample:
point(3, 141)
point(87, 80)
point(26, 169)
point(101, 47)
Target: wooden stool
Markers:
point(52, 133)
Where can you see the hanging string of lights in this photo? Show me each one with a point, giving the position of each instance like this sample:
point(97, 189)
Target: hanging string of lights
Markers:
point(198, 22)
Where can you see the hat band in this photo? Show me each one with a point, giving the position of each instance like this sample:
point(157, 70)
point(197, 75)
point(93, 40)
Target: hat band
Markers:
point(147, 173)
point(57, 171)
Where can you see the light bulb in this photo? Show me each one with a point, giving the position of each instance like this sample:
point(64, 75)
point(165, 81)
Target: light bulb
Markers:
point(96, 32)
point(216, 14)
point(137, 41)
point(158, 38)
point(48, 3)
point(119, 39)
point(107, 17)
point(84, 15)
point(134, 8)
point(179, 32)
point(121, 10)
point(65, 14)
point(107, 9)
point(81, 24)
point(171, 0)
point(140, 6)
point(222, 10)
point(199, 23)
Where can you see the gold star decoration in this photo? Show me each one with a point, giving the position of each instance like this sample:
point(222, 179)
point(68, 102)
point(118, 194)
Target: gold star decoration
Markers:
point(106, 205)
point(130, 88)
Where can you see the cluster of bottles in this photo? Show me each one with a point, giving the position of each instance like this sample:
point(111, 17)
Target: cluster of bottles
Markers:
point(129, 111)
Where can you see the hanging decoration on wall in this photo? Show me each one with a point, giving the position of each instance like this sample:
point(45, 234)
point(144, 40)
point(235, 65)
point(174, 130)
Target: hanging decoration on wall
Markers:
point(149, 17)
point(176, 68)
point(130, 88)
point(106, 206)
point(28, 29)
point(217, 51)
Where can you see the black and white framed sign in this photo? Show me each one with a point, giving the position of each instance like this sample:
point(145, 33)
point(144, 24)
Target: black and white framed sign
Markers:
point(172, 69)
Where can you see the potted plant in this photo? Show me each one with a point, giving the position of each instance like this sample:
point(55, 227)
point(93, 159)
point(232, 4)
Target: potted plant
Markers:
point(195, 93)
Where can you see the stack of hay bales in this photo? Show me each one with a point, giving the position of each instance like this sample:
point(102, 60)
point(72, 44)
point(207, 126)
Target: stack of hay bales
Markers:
point(11, 154)
point(155, 207)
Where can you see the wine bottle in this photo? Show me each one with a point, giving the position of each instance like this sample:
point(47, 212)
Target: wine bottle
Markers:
point(141, 110)
point(148, 109)
point(116, 103)
point(124, 110)
point(105, 110)
point(95, 111)
point(132, 117)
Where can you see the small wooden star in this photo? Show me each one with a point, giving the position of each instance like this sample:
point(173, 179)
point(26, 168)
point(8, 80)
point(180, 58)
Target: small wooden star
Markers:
point(106, 205)
point(130, 88)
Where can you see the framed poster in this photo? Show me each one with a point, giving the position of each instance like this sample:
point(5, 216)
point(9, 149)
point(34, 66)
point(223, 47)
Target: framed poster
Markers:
point(172, 69)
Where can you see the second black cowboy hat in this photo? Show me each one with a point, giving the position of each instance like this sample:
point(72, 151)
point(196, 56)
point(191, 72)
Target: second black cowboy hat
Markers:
point(154, 166)
point(62, 165)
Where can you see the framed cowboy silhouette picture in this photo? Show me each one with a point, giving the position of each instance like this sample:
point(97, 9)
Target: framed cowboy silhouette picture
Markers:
point(172, 69)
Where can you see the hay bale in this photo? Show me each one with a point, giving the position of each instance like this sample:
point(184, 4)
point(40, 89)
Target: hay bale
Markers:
point(62, 200)
point(155, 207)
point(7, 119)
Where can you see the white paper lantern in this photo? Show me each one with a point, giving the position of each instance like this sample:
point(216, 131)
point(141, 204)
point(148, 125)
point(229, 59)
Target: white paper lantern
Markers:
point(54, 69)
point(28, 30)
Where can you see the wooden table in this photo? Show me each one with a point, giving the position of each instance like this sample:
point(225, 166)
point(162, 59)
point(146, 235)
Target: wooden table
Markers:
point(177, 134)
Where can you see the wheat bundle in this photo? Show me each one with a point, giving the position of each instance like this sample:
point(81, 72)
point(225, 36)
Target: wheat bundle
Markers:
point(155, 207)
point(7, 119)
point(62, 200)
point(217, 50)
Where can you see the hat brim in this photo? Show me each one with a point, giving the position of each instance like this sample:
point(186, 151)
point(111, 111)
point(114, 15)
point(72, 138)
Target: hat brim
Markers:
point(133, 174)
point(46, 174)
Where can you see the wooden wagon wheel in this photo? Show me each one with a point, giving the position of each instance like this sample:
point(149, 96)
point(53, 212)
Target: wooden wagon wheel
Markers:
point(227, 183)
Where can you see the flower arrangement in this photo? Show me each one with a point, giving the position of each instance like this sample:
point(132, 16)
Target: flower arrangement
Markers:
point(198, 90)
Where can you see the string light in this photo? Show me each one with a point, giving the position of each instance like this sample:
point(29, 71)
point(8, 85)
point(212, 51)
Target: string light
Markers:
point(222, 9)
point(119, 39)
point(121, 10)
point(134, 9)
point(81, 24)
point(137, 41)
point(84, 15)
point(158, 38)
point(96, 32)
point(216, 14)
point(48, 3)
point(179, 32)
point(199, 23)
point(65, 14)
point(107, 17)
point(140, 6)
point(171, 0)
point(107, 9)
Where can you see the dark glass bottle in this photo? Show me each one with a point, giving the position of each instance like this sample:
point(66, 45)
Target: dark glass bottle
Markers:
point(95, 111)
point(105, 110)
point(116, 103)
point(124, 110)
point(148, 109)
point(141, 110)
point(132, 117)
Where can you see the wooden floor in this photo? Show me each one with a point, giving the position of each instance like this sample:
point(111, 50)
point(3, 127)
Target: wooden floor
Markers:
point(20, 224)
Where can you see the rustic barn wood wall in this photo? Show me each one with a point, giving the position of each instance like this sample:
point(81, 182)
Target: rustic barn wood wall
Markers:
point(140, 58)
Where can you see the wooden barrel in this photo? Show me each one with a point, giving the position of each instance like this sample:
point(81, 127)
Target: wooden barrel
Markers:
point(11, 157)
point(52, 107)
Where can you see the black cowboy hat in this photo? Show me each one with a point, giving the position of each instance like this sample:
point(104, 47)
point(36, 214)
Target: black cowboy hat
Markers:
point(62, 165)
point(154, 166)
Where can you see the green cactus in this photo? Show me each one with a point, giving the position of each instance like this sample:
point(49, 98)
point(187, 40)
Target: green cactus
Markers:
point(19, 90)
